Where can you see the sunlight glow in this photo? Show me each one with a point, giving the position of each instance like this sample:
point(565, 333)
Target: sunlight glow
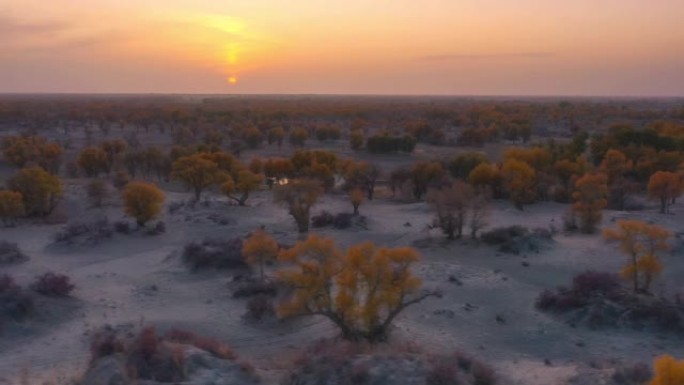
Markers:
point(232, 80)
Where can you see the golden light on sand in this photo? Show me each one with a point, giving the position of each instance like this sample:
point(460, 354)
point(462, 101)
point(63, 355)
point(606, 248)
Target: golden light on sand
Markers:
point(232, 80)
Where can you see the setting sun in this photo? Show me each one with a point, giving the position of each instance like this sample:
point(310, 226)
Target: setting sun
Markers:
point(232, 80)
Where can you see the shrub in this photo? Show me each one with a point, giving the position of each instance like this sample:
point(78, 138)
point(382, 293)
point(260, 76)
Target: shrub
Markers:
point(157, 229)
point(252, 288)
point(212, 253)
point(51, 284)
point(596, 283)
point(104, 343)
point(87, 232)
point(503, 235)
point(343, 220)
point(636, 374)
point(213, 346)
point(122, 227)
point(10, 253)
point(259, 307)
point(322, 220)
point(14, 303)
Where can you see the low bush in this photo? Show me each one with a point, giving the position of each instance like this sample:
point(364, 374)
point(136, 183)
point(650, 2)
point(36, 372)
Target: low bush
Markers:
point(597, 300)
point(215, 347)
point(10, 253)
point(637, 374)
point(14, 303)
point(358, 364)
point(51, 284)
point(323, 219)
point(516, 239)
point(252, 287)
point(343, 220)
point(158, 229)
point(82, 232)
point(122, 227)
point(259, 308)
point(213, 253)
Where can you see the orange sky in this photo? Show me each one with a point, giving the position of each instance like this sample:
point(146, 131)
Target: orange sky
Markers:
point(473, 47)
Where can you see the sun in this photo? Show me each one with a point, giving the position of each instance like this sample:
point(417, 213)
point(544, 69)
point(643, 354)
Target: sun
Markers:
point(232, 80)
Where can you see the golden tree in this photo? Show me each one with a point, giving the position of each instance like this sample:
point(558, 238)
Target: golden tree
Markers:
point(259, 249)
point(519, 180)
point(356, 139)
point(92, 161)
point(11, 207)
point(361, 291)
point(276, 135)
point(299, 195)
point(113, 150)
point(298, 137)
point(668, 371)
point(641, 242)
point(246, 182)
point(485, 177)
point(591, 191)
point(423, 174)
point(142, 201)
point(356, 198)
point(197, 172)
point(39, 190)
point(665, 186)
point(615, 165)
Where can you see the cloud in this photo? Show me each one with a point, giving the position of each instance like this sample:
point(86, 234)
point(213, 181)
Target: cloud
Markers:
point(11, 26)
point(508, 55)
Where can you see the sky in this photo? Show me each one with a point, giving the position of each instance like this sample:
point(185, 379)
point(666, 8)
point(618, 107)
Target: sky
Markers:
point(420, 47)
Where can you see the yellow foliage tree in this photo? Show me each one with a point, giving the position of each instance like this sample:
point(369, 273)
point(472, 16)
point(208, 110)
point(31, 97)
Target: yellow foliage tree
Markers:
point(668, 371)
point(246, 182)
point(259, 249)
point(360, 291)
point(92, 161)
point(486, 176)
point(591, 191)
point(11, 206)
point(641, 242)
point(197, 172)
point(666, 187)
point(142, 201)
point(356, 197)
point(299, 195)
point(39, 190)
point(519, 180)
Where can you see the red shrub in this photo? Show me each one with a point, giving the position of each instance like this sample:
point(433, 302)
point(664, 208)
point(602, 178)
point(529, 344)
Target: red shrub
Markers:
point(52, 284)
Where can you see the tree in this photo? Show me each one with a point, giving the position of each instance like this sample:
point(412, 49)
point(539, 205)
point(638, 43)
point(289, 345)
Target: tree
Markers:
point(360, 291)
point(92, 161)
point(423, 174)
point(244, 184)
point(668, 371)
point(519, 180)
point(356, 197)
point(640, 241)
point(97, 192)
point(197, 172)
point(298, 136)
point(113, 149)
point(356, 139)
point(486, 177)
point(591, 191)
point(142, 201)
point(362, 175)
point(616, 165)
point(665, 186)
point(451, 204)
point(276, 135)
point(299, 195)
point(11, 207)
point(39, 190)
point(259, 249)
point(253, 137)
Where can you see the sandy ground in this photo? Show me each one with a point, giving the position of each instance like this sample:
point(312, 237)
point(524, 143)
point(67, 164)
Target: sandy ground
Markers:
point(114, 280)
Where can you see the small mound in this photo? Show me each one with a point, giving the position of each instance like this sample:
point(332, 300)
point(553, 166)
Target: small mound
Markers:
point(10, 253)
point(348, 363)
point(177, 357)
